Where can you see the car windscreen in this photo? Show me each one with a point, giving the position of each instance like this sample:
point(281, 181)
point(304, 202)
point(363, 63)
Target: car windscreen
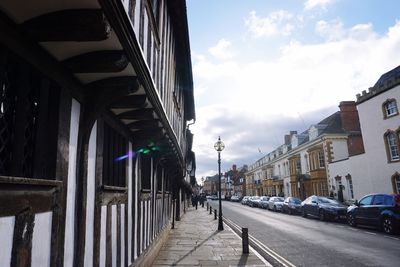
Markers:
point(296, 201)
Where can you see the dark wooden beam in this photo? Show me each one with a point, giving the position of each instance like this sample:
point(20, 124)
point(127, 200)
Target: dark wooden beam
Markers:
point(150, 134)
point(144, 124)
point(78, 25)
point(16, 41)
point(97, 62)
point(131, 83)
point(138, 114)
point(131, 101)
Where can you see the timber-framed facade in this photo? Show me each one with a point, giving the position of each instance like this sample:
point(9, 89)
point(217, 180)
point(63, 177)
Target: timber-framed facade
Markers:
point(95, 152)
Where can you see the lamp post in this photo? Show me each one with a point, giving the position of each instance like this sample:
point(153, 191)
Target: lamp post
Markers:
point(219, 146)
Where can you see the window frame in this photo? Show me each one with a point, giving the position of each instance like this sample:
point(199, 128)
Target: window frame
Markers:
point(389, 147)
point(386, 108)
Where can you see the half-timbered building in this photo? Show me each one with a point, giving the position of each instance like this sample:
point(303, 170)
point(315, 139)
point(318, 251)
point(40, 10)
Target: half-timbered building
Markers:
point(96, 97)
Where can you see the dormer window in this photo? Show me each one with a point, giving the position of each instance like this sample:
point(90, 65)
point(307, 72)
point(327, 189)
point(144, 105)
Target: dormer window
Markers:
point(389, 108)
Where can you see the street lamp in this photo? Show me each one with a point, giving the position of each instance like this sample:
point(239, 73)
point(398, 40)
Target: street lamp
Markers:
point(219, 146)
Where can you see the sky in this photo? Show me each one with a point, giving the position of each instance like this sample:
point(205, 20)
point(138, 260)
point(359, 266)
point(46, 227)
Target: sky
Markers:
point(262, 68)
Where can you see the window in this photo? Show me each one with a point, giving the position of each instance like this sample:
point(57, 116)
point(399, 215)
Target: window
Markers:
point(392, 146)
point(115, 154)
point(298, 166)
point(29, 120)
point(396, 183)
point(366, 201)
point(378, 200)
point(321, 159)
point(388, 201)
point(390, 108)
point(350, 186)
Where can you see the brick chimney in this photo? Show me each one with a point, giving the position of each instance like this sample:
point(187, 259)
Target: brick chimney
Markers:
point(351, 124)
point(234, 167)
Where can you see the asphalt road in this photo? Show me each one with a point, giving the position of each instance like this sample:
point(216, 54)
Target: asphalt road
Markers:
point(310, 242)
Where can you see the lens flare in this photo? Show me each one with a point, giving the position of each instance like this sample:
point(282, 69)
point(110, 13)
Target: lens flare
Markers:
point(130, 154)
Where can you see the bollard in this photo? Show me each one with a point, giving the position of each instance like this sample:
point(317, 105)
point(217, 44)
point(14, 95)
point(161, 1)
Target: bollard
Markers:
point(207, 206)
point(215, 214)
point(245, 240)
point(210, 210)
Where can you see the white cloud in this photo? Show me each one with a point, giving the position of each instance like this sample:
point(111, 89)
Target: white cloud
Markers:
point(245, 99)
point(221, 50)
point(276, 23)
point(334, 31)
point(311, 4)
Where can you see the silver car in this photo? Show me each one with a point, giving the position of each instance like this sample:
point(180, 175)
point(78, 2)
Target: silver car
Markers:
point(275, 203)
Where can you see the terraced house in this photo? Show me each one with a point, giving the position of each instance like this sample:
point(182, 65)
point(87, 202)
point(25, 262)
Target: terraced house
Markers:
point(300, 167)
point(96, 154)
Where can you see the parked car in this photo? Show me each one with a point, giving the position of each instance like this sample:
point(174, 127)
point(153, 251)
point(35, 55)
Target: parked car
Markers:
point(214, 197)
point(245, 199)
point(275, 203)
point(379, 210)
point(291, 205)
point(323, 208)
point(254, 201)
point(235, 199)
point(264, 202)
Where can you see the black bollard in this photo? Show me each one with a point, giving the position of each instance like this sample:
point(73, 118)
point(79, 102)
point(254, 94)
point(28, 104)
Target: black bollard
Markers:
point(210, 210)
point(245, 240)
point(215, 214)
point(207, 206)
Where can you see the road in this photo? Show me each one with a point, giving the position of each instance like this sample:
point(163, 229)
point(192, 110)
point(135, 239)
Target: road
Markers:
point(310, 242)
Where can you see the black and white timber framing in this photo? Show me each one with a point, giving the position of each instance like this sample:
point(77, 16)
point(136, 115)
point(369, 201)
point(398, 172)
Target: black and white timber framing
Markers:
point(96, 158)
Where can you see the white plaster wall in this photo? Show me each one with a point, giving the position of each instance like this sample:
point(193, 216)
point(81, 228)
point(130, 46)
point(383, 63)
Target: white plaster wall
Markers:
point(340, 150)
point(41, 239)
point(373, 171)
point(137, 17)
point(130, 196)
point(123, 235)
point(90, 197)
point(135, 196)
point(286, 188)
point(103, 235)
point(114, 234)
point(71, 188)
point(6, 234)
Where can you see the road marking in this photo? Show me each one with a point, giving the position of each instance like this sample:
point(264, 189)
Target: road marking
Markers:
point(391, 237)
point(275, 256)
point(251, 248)
point(369, 233)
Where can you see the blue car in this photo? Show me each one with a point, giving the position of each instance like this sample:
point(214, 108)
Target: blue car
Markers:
point(378, 210)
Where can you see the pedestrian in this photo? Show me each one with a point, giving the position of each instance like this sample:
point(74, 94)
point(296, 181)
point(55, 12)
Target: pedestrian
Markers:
point(196, 200)
point(201, 198)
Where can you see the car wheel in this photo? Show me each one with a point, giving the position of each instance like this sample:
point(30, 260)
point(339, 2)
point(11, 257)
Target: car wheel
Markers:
point(289, 211)
point(351, 220)
point(304, 213)
point(322, 216)
point(388, 225)
point(274, 208)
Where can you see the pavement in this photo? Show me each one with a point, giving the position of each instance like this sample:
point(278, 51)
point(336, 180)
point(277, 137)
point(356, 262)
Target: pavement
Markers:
point(196, 241)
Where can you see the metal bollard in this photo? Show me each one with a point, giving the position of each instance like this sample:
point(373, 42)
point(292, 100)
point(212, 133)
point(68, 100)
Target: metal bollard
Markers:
point(245, 240)
point(210, 210)
point(207, 206)
point(215, 214)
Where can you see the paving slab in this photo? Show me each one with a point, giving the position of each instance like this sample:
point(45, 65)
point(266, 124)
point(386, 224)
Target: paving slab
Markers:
point(196, 241)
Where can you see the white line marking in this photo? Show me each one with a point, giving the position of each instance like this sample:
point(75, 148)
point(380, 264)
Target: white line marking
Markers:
point(251, 248)
point(266, 249)
point(369, 233)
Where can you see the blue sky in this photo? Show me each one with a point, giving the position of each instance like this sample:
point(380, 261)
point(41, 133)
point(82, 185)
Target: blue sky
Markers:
point(264, 67)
